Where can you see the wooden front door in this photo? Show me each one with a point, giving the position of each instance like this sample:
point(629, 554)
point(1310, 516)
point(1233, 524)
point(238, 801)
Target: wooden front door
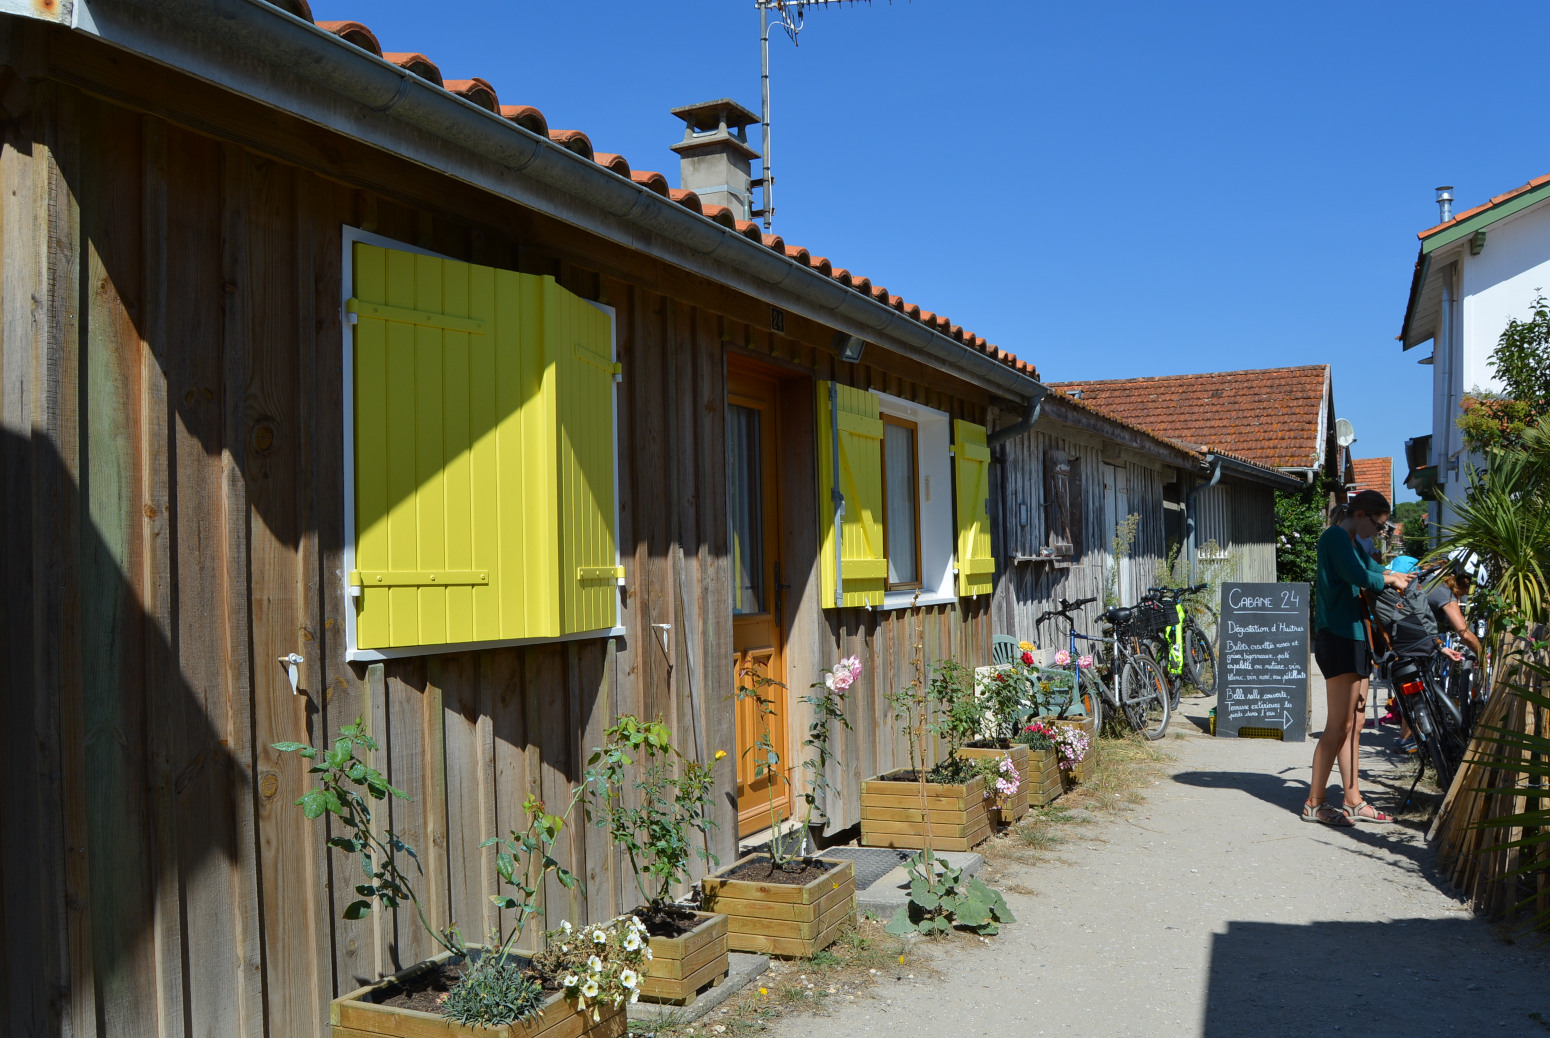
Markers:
point(754, 507)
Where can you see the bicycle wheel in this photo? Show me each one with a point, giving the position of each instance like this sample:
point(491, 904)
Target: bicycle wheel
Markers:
point(1199, 661)
point(1091, 693)
point(1144, 696)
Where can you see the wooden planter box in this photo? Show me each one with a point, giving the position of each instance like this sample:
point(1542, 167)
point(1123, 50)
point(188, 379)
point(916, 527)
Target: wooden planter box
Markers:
point(891, 816)
point(681, 966)
point(1017, 806)
point(1042, 780)
point(794, 922)
point(1083, 771)
point(356, 1016)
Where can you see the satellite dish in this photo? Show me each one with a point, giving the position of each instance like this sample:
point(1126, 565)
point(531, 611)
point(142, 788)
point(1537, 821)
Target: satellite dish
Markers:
point(1345, 435)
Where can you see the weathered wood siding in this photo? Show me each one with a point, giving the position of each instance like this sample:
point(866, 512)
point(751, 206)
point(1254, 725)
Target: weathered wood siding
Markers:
point(172, 489)
point(1240, 518)
point(1026, 589)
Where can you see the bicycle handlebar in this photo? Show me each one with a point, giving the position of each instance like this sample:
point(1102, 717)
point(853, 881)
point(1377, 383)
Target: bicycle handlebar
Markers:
point(1065, 610)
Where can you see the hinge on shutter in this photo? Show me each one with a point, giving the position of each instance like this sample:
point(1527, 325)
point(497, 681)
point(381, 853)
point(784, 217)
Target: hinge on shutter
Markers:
point(599, 574)
point(446, 322)
point(417, 578)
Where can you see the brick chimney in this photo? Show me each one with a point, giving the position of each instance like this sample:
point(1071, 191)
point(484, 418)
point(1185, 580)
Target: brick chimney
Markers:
point(714, 157)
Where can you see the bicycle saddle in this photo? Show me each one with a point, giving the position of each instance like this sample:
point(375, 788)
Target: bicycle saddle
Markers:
point(1118, 615)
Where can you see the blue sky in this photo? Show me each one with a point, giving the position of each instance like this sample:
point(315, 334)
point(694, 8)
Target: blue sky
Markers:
point(1106, 190)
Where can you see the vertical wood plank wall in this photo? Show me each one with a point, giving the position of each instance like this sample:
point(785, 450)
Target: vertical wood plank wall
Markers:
point(171, 469)
point(1027, 589)
point(1240, 518)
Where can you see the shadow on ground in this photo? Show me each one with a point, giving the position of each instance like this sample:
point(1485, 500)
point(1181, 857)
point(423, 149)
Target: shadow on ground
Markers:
point(1404, 839)
point(1406, 977)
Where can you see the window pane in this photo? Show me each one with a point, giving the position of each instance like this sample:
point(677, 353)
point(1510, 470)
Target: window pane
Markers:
point(747, 528)
point(899, 473)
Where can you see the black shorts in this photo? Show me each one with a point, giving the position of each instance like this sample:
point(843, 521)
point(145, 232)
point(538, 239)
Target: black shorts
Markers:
point(1337, 656)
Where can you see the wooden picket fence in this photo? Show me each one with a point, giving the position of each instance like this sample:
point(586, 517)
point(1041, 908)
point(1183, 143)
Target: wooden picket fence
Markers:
point(1476, 856)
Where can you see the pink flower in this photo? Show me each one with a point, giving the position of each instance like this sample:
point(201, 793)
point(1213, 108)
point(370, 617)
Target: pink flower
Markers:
point(1027, 659)
point(1085, 662)
point(1062, 658)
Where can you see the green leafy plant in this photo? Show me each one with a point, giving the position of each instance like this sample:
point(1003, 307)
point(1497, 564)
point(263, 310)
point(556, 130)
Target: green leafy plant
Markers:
point(827, 701)
point(1521, 361)
point(1415, 522)
point(523, 857)
point(1300, 519)
point(342, 777)
point(1504, 523)
point(597, 965)
point(1003, 695)
point(1119, 550)
point(959, 712)
point(1037, 735)
point(494, 991)
point(672, 802)
point(942, 897)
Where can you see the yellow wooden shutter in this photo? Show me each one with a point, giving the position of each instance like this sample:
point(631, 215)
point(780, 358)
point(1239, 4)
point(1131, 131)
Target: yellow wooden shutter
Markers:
point(863, 562)
point(971, 473)
point(580, 338)
point(455, 441)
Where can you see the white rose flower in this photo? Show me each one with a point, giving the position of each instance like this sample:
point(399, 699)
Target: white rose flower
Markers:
point(595, 964)
point(629, 978)
point(590, 988)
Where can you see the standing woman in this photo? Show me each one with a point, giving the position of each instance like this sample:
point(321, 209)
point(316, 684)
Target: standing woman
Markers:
point(1344, 655)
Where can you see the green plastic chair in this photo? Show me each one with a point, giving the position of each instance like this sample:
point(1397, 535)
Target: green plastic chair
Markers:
point(1003, 649)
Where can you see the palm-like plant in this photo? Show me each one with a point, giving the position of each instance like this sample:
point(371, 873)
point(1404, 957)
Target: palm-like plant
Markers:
point(1504, 520)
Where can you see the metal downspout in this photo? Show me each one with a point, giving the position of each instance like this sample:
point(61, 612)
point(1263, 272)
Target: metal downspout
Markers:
point(1023, 424)
point(1189, 508)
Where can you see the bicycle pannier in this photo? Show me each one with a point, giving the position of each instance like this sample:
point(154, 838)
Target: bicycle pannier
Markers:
point(1408, 619)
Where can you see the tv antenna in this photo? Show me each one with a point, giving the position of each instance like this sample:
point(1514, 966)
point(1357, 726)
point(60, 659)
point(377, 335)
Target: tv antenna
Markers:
point(790, 13)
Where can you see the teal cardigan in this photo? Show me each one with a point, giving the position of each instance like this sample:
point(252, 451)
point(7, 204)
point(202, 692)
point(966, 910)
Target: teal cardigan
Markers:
point(1344, 572)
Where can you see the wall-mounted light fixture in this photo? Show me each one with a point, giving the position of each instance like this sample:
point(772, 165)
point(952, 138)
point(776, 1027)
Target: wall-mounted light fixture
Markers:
point(850, 346)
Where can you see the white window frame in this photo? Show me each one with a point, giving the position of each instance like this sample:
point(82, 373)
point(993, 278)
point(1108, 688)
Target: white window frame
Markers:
point(934, 475)
point(349, 236)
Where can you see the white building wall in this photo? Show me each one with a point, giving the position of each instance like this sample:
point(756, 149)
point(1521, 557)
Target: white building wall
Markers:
point(1482, 295)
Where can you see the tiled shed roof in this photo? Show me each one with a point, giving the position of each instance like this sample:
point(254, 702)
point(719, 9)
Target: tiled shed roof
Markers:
point(1271, 416)
point(1374, 474)
point(1466, 214)
point(483, 93)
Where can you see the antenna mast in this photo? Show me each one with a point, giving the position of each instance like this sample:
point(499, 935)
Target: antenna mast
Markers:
point(790, 13)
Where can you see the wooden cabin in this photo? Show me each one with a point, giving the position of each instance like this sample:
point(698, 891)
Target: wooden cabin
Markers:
point(1067, 483)
point(334, 389)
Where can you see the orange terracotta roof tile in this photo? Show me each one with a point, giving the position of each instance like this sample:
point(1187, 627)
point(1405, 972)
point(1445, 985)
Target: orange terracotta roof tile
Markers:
point(1459, 218)
point(1374, 474)
point(1270, 416)
point(482, 93)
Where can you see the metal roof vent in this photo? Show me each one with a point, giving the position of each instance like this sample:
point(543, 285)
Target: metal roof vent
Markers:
point(1445, 203)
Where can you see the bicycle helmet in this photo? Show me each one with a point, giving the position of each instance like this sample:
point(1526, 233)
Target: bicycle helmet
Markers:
point(1402, 564)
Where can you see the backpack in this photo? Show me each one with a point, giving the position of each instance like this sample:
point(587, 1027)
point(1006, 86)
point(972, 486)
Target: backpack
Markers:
point(1408, 618)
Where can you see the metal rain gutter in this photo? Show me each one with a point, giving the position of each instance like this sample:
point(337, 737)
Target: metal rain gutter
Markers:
point(260, 51)
point(1026, 422)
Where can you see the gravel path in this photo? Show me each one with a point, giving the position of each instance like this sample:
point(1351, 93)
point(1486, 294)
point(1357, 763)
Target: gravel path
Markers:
point(1212, 910)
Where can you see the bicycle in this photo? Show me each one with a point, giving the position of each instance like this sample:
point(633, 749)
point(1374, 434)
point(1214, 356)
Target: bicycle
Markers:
point(1436, 721)
point(1178, 643)
point(1137, 690)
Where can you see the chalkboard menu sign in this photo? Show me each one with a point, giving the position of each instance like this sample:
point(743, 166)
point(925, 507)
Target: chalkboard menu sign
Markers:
point(1262, 659)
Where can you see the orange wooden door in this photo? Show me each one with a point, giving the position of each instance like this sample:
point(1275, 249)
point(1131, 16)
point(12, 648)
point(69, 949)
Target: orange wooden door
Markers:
point(754, 506)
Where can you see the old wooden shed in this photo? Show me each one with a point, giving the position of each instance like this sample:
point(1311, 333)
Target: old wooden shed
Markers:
point(308, 350)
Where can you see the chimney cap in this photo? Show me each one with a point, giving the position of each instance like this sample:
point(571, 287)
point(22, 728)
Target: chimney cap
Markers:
point(708, 115)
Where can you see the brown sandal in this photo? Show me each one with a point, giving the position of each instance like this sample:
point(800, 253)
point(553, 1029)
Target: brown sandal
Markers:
point(1329, 814)
point(1354, 812)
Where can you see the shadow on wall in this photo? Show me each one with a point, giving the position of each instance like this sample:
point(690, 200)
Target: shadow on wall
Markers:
point(118, 785)
point(1401, 978)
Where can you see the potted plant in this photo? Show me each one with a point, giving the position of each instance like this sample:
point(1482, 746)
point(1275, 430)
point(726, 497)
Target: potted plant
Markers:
point(785, 902)
point(1053, 697)
point(1073, 745)
point(465, 989)
point(945, 802)
point(1003, 696)
point(1041, 782)
point(660, 827)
